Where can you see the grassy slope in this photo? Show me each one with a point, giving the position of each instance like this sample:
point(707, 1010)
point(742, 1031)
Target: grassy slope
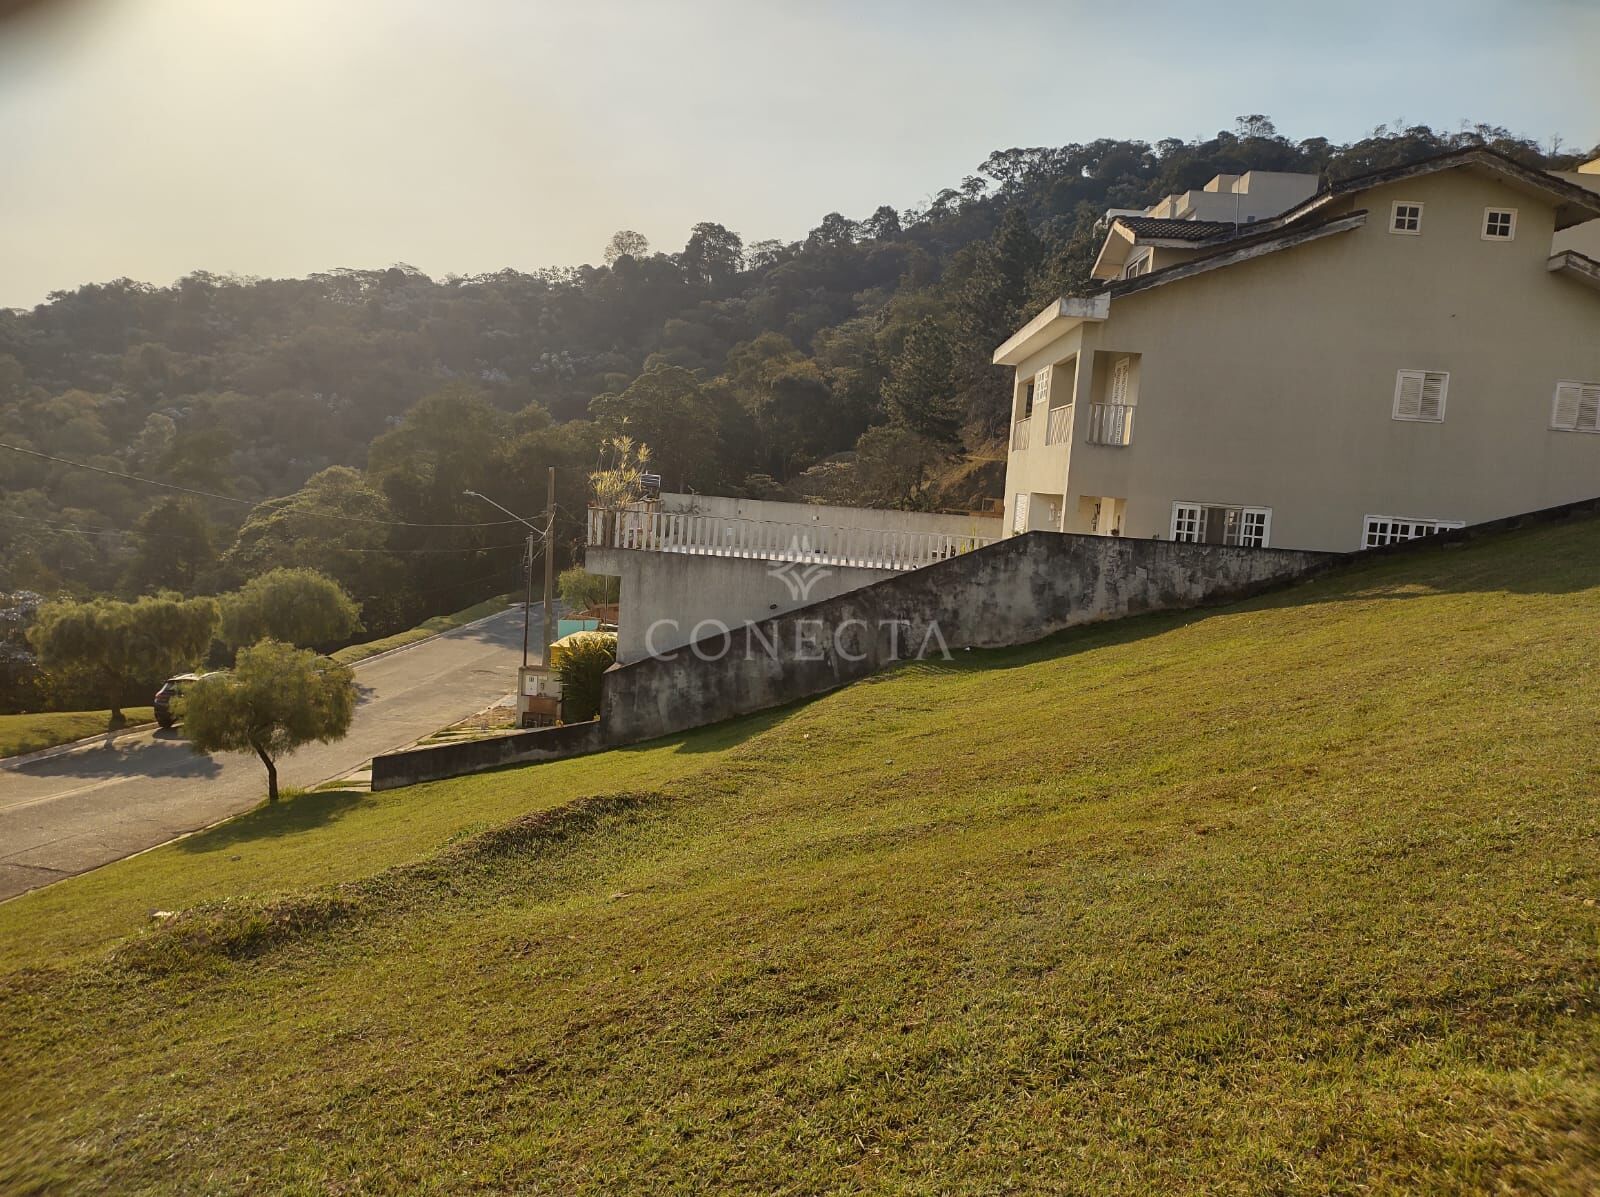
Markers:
point(1297, 896)
point(432, 627)
point(30, 733)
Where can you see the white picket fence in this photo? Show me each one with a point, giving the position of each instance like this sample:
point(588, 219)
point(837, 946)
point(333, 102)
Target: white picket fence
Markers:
point(725, 536)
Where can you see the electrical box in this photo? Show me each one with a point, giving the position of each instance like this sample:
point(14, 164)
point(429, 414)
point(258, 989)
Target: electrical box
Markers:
point(538, 697)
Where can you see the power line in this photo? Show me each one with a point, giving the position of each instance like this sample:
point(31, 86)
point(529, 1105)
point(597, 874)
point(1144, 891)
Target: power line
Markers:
point(206, 494)
point(79, 528)
point(64, 527)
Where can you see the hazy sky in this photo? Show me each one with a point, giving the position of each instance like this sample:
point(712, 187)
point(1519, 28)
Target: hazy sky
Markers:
point(149, 138)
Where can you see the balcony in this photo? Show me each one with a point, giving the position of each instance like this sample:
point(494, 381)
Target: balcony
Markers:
point(1059, 426)
point(774, 540)
point(1020, 434)
point(1110, 423)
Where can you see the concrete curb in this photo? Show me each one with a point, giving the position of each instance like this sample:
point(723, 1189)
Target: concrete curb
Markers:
point(44, 754)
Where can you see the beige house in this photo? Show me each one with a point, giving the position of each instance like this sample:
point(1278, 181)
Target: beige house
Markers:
point(1413, 349)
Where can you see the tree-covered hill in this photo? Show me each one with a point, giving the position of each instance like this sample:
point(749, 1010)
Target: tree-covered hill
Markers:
point(743, 366)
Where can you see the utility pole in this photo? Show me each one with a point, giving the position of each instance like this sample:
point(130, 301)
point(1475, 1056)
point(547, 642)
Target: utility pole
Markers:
point(533, 535)
point(527, 603)
point(549, 571)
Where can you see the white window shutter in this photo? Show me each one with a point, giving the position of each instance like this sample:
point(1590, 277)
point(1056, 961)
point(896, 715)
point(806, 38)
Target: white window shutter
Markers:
point(1041, 388)
point(1565, 413)
point(1432, 397)
point(1408, 395)
point(1019, 517)
point(1589, 408)
point(1119, 381)
point(1420, 394)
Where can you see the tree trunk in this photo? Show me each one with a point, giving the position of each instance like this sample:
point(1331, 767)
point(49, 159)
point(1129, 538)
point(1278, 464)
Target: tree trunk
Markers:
point(272, 773)
point(117, 717)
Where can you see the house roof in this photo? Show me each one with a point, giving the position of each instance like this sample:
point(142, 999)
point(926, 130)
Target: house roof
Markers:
point(1165, 229)
point(1306, 221)
point(1240, 249)
point(1573, 204)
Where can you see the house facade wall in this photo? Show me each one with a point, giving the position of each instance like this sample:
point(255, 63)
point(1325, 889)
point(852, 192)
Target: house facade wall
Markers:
point(1271, 382)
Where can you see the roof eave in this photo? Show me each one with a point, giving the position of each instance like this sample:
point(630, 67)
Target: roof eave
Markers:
point(1242, 251)
point(1112, 268)
point(1061, 316)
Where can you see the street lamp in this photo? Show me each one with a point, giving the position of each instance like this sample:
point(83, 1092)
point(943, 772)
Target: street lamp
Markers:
point(534, 532)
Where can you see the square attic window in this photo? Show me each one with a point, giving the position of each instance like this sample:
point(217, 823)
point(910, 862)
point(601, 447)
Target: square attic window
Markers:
point(1406, 217)
point(1499, 224)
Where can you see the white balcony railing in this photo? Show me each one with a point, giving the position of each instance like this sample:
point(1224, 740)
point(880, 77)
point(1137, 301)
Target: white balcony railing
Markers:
point(1020, 432)
point(1110, 423)
point(820, 544)
point(1059, 427)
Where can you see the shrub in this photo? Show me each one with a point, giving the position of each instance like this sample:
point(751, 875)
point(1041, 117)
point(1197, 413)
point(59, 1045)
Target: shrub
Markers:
point(585, 658)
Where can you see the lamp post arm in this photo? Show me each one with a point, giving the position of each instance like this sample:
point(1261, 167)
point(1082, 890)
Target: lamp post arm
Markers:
point(507, 510)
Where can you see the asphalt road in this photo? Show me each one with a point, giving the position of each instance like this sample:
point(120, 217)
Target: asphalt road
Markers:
point(68, 813)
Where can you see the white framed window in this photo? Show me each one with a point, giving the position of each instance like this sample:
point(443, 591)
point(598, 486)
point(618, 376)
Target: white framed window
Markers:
point(1576, 407)
point(1420, 395)
point(1029, 389)
point(1499, 224)
point(1188, 523)
point(1140, 265)
point(1211, 523)
point(1405, 216)
point(1379, 530)
point(1019, 515)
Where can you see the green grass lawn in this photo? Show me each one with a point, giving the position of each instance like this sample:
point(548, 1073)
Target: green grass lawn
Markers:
point(30, 733)
point(1293, 896)
point(439, 623)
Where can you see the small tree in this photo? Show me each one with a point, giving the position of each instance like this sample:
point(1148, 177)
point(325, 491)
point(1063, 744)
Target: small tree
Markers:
point(297, 606)
point(620, 478)
point(274, 700)
point(895, 467)
point(123, 645)
point(584, 661)
point(581, 589)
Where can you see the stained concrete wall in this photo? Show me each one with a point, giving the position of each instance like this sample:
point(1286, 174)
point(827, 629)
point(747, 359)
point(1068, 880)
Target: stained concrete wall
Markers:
point(395, 769)
point(1009, 593)
point(666, 596)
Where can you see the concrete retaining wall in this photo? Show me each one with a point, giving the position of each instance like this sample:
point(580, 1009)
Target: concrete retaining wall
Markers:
point(1013, 592)
point(395, 769)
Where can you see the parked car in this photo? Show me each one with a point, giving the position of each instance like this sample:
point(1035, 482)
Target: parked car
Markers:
point(171, 689)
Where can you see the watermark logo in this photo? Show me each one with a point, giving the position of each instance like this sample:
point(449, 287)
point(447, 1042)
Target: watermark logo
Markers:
point(787, 642)
point(799, 575)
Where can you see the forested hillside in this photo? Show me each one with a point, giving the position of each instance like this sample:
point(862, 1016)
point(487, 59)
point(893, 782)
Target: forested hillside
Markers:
point(851, 364)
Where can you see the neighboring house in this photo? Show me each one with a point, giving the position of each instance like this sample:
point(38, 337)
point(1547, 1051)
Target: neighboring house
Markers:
point(1138, 242)
point(693, 565)
point(1585, 238)
point(1405, 351)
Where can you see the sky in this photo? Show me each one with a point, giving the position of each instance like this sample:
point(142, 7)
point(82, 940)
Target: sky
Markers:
point(151, 138)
